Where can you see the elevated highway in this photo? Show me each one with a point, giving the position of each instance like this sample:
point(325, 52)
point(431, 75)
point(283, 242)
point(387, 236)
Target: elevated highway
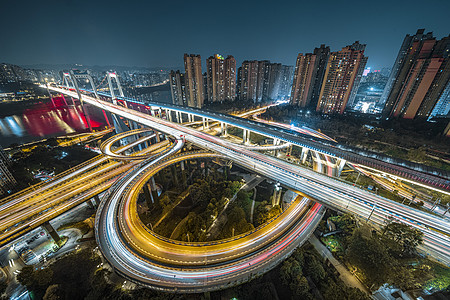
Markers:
point(141, 255)
point(29, 209)
point(326, 190)
point(430, 177)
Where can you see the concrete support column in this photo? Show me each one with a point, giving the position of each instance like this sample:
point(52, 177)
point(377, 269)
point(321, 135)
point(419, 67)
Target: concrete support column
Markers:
point(158, 138)
point(173, 172)
point(289, 150)
point(169, 114)
point(49, 228)
point(95, 201)
point(276, 195)
point(207, 123)
point(204, 123)
point(276, 142)
point(317, 161)
point(148, 195)
point(153, 184)
point(160, 112)
point(304, 154)
point(152, 112)
point(340, 163)
point(246, 137)
point(183, 174)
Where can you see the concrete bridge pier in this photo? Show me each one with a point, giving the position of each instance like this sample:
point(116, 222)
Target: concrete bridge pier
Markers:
point(148, 195)
point(276, 195)
point(276, 142)
point(340, 166)
point(289, 150)
point(169, 114)
point(183, 174)
point(49, 228)
point(246, 136)
point(304, 154)
point(223, 129)
point(317, 162)
point(94, 201)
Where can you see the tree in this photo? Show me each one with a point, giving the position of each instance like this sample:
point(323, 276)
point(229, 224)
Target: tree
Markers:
point(53, 292)
point(26, 276)
point(371, 256)
point(290, 269)
point(3, 287)
point(35, 280)
point(345, 222)
point(314, 268)
point(402, 239)
point(300, 287)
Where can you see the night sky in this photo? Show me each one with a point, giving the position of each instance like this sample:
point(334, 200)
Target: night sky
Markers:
point(158, 33)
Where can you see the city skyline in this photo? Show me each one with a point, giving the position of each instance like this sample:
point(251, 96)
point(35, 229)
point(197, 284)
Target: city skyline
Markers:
point(139, 36)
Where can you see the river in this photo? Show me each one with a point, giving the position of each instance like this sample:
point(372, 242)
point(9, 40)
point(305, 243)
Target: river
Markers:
point(35, 121)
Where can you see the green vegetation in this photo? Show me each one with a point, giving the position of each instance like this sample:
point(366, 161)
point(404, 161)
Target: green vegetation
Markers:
point(77, 276)
point(208, 198)
point(305, 274)
point(3, 286)
point(264, 212)
point(389, 256)
point(45, 157)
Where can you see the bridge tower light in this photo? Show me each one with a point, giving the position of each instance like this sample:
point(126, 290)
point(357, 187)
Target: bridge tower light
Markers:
point(110, 76)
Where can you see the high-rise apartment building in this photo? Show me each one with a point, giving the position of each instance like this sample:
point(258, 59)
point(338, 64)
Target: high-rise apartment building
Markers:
point(341, 79)
point(177, 88)
point(287, 73)
point(399, 61)
point(261, 80)
point(420, 78)
point(308, 76)
point(248, 80)
point(221, 78)
point(230, 78)
point(194, 80)
point(274, 81)
point(442, 107)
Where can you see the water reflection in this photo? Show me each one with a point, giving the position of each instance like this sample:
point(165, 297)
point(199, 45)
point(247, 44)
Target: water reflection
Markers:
point(43, 120)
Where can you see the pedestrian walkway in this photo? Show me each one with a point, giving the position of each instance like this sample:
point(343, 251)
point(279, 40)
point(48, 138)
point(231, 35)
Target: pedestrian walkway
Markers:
point(348, 278)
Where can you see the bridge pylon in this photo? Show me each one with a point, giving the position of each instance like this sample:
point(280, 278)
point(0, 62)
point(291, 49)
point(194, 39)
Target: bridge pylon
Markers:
point(74, 81)
point(110, 76)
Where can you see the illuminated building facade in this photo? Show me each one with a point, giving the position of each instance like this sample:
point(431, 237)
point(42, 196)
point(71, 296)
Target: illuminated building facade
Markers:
point(420, 79)
point(341, 80)
point(177, 87)
point(221, 78)
point(308, 76)
point(194, 80)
